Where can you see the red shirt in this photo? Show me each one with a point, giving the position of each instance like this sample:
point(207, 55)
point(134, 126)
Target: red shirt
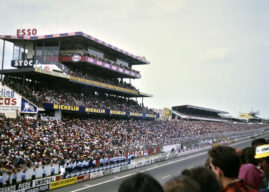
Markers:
point(238, 186)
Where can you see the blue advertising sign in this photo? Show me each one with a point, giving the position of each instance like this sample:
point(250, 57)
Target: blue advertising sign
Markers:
point(98, 111)
point(27, 107)
point(23, 63)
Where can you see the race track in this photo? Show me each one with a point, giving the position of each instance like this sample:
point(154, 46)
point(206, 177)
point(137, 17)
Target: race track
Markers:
point(162, 171)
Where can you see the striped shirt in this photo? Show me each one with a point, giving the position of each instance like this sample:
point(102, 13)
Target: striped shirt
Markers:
point(238, 186)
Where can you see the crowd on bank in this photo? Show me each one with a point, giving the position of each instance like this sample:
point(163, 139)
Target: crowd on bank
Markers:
point(41, 93)
point(226, 170)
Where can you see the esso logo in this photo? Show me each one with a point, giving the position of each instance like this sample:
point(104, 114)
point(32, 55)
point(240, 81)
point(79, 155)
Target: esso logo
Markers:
point(27, 32)
point(76, 58)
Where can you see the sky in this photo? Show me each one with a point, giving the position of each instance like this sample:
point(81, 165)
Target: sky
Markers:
point(211, 53)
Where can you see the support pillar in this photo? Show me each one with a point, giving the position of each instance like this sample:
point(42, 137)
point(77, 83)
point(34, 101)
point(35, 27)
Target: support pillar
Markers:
point(3, 54)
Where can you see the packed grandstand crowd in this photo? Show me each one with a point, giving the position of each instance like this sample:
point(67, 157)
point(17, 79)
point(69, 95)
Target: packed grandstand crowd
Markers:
point(85, 75)
point(41, 92)
point(26, 143)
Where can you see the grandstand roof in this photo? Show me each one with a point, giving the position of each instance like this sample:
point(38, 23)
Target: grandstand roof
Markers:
point(83, 38)
point(198, 108)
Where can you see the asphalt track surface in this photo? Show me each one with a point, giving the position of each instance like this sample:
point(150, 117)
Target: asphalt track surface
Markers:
point(162, 171)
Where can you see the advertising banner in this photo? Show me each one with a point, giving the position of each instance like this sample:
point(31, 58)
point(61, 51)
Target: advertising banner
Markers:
point(8, 188)
point(167, 112)
point(97, 111)
point(28, 107)
point(96, 174)
point(43, 181)
point(23, 63)
point(39, 188)
point(63, 182)
point(10, 101)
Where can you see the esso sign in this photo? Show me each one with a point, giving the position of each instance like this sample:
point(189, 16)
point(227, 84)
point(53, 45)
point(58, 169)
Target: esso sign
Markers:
point(27, 32)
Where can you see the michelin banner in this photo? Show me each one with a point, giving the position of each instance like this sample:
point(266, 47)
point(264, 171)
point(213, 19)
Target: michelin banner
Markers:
point(97, 111)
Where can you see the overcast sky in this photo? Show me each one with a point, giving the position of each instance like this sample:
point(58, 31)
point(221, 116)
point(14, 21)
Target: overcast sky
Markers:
point(207, 53)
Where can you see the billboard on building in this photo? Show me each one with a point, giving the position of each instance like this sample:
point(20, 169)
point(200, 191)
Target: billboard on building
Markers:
point(10, 101)
point(28, 107)
point(166, 112)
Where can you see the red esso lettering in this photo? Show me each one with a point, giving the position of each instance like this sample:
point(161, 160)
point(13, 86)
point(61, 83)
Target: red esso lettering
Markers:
point(23, 32)
point(18, 32)
point(28, 31)
point(34, 31)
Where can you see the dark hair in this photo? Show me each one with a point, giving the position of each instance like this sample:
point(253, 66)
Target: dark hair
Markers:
point(140, 182)
point(204, 177)
point(248, 155)
point(225, 158)
point(182, 184)
point(259, 141)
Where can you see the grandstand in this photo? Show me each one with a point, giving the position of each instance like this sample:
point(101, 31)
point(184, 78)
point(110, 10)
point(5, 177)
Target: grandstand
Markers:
point(92, 74)
point(253, 117)
point(191, 112)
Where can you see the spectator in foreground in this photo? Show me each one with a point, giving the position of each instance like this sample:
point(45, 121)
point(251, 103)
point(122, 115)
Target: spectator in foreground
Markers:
point(204, 177)
point(249, 172)
point(262, 154)
point(140, 182)
point(182, 184)
point(259, 141)
point(225, 163)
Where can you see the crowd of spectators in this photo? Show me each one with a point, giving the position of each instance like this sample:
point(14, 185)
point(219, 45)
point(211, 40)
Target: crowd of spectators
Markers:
point(83, 52)
point(26, 143)
point(41, 93)
point(90, 75)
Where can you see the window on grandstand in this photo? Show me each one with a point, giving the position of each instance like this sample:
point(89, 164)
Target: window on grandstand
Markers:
point(19, 52)
point(95, 53)
point(47, 55)
point(23, 51)
point(123, 63)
